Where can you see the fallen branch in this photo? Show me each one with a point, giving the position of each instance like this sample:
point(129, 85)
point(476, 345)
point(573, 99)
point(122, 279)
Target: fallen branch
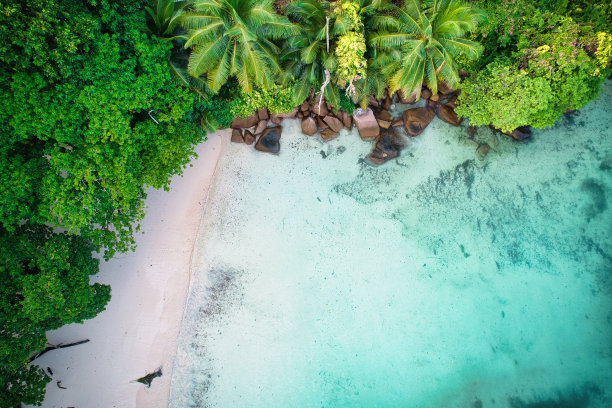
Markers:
point(59, 346)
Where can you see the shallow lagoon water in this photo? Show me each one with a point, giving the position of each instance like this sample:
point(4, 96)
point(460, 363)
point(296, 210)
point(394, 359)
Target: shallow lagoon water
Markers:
point(435, 280)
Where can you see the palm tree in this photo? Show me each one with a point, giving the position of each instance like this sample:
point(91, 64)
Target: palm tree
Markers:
point(309, 54)
point(419, 44)
point(235, 38)
point(163, 18)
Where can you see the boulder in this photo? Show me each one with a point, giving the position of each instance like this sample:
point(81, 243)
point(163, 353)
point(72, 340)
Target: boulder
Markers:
point(366, 123)
point(328, 134)
point(397, 122)
point(305, 106)
point(444, 89)
point(237, 136)
point(334, 123)
point(261, 126)
point(410, 100)
point(263, 114)
point(448, 115)
point(388, 146)
point(432, 104)
point(276, 119)
point(319, 110)
point(482, 151)
point(244, 123)
point(322, 125)
point(300, 115)
point(372, 101)
point(249, 138)
point(288, 115)
point(309, 126)
point(384, 115)
point(452, 102)
point(416, 120)
point(471, 130)
point(385, 124)
point(386, 102)
point(425, 93)
point(520, 133)
point(269, 141)
point(435, 97)
point(347, 120)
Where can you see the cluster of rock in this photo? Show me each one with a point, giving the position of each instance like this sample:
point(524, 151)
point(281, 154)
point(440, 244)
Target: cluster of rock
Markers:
point(373, 123)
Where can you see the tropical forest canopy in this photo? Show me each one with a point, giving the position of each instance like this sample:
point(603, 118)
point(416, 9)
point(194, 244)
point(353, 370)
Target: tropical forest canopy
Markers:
point(100, 99)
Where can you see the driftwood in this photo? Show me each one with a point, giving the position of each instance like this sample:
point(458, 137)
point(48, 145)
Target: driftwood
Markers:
point(148, 379)
point(59, 346)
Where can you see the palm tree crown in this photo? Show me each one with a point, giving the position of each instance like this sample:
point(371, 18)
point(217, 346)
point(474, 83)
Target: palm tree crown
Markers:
point(235, 38)
point(419, 44)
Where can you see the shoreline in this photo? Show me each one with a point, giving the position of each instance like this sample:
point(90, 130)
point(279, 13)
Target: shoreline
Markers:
point(138, 331)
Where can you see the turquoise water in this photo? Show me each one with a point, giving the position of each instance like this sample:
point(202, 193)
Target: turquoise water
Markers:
point(436, 280)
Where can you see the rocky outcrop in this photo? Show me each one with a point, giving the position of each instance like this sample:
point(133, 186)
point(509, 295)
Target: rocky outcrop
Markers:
point(388, 146)
point(319, 108)
point(263, 114)
point(328, 134)
point(261, 126)
point(347, 120)
point(366, 123)
point(416, 120)
point(334, 123)
point(244, 123)
point(237, 136)
point(447, 114)
point(309, 126)
point(269, 141)
point(249, 138)
point(520, 134)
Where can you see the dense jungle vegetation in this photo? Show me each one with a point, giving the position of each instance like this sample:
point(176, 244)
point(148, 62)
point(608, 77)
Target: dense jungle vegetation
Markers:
point(101, 99)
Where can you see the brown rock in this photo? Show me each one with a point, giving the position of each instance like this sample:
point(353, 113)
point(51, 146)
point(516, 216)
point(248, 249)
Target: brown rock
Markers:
point(305, 106)
point(384, 115)
point(288, 115)
point(388, 146)
point(309, 126)
point(448, 115)
point(322, 125)
point(452, 102)
point(237, 136)
point(386, 102)
point(385, 124)
point(435, 97)
point(263, 114)
point(425, 93)
point(319, 110)
point(482, 151)
point(366, 123)
point(520, 133)
point(432, 104)
point(248, 137)
point(471, 130)
point(444, 89)
point(397, 122)
point(410, 100)
point(261, 126)
point(276, 119)
point(347, 120)
point(334, 124)
point(328, 134)
point(416, 120)
point(300, 115)
point(269, 141)
point(372, 101)
point(244, 123)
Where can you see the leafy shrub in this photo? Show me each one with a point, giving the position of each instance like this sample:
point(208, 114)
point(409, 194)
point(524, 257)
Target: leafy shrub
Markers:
point(278, 99)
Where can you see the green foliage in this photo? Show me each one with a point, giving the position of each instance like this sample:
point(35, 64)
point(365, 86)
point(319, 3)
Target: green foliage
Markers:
point(345, 104)
point(604, 49)
point(505, 98)
point(235, 38)
point(45, 284)
point(350, 51)
point(277, 98)
point(419, 43)
point(163, 18)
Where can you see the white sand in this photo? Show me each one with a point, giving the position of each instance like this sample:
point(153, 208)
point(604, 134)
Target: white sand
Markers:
point(137, 332)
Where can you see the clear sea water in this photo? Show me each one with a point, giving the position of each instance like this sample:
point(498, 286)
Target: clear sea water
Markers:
point(435, 280)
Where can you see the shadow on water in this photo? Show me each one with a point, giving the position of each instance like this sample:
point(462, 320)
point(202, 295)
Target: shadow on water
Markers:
point(574, 398)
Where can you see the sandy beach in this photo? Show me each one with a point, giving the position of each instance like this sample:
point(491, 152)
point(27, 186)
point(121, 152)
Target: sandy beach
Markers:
point(137, 332)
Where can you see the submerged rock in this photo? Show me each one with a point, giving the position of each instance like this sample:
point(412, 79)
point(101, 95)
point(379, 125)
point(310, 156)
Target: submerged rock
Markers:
point(366, 124)
point(269, 141)
point(388, 146)
point(482, 151)
point(520, 134)
point(416, 120)
point(328, 134)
